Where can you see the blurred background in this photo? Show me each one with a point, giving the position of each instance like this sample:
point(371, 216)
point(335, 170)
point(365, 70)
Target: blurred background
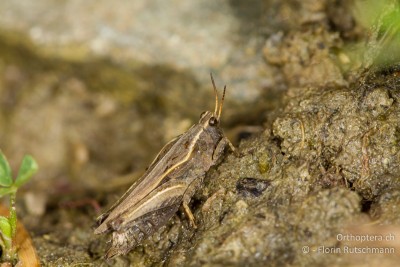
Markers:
point(93, 89)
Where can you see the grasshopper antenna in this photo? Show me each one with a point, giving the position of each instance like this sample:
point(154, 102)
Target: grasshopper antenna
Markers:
point(215, 92)
point(222, 103)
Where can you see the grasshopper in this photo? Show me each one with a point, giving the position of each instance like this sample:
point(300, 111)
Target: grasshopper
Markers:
point(170, 181)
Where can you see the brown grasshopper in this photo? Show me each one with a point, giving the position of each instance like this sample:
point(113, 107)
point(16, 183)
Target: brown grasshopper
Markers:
point(171, 180)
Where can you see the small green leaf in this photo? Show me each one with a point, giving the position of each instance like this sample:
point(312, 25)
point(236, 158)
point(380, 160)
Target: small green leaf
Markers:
point(5, 172)
point(27, 169)
point(5, 228)
point(6, 191)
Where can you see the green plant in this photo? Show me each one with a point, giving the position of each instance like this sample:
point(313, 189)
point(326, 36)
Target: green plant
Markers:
point(382, 18)
point(9, 186)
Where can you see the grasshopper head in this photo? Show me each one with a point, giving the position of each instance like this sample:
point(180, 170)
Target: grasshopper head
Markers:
point(208, 118)
point(211, 125)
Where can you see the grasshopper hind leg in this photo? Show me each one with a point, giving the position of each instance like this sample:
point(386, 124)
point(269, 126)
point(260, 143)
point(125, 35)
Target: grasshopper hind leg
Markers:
point(126, 239)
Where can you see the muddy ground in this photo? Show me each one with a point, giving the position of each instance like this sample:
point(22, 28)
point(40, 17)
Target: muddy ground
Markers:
point(315, 121)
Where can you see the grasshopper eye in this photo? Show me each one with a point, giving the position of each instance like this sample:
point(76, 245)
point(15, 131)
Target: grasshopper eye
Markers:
point(202, 114)
point(213, 121)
